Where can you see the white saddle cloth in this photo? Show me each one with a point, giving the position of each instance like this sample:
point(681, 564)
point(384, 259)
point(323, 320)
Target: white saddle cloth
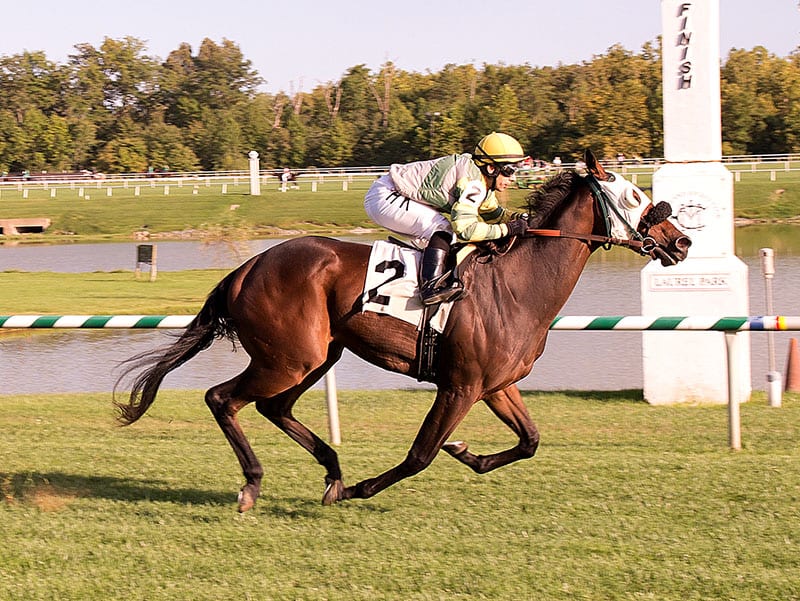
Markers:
point(391, 286)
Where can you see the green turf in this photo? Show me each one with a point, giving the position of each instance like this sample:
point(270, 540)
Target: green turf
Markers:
point(116, 292)
point(623, 501)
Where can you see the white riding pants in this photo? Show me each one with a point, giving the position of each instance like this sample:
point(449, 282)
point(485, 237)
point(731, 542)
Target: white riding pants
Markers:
point(390, 209)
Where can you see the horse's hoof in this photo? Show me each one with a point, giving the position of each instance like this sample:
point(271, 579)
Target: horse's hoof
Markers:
point(455, 448)
point(246, 499)
point(333, 492)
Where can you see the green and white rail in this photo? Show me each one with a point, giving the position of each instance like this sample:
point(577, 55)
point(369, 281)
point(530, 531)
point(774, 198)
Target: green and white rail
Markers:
point(764, 323)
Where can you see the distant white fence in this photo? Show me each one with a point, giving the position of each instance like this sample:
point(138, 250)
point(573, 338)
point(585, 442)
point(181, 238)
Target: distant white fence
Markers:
point(772, 163)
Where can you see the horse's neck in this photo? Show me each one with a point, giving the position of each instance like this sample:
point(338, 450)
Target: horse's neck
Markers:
point(556, 264)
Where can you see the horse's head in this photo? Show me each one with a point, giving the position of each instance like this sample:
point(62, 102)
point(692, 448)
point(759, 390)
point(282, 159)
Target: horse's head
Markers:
point(632, 211)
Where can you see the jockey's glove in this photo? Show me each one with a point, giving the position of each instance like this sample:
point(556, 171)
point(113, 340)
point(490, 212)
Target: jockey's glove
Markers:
point(518, 227)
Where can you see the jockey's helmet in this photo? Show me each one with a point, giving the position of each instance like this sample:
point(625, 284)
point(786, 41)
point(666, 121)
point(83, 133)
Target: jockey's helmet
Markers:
point(497, 148)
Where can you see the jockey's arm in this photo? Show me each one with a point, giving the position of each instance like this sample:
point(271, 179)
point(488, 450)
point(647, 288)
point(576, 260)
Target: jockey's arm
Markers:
point(475, 215)
point(491, 212)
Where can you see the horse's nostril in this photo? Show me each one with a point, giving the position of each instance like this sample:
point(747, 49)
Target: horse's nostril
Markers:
point(683, 243)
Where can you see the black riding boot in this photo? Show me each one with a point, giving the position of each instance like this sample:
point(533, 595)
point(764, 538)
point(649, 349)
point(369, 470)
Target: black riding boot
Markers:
point(433, 288)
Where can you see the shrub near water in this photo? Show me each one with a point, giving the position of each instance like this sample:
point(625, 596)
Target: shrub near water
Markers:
point(623, 501)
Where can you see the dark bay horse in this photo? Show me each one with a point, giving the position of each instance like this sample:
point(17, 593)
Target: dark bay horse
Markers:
point(297, 305)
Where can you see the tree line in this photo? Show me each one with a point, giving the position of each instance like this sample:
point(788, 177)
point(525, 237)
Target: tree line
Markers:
point(116, 109)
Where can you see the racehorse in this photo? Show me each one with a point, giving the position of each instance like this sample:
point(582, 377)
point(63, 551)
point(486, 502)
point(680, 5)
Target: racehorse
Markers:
point(296, 306)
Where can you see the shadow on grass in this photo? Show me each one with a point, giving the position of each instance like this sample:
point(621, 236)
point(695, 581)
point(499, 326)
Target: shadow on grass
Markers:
point(55, 490)
point(24, 486)
point(632, 395)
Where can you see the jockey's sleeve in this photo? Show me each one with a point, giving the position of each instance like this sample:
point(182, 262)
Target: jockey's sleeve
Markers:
point(467, 214)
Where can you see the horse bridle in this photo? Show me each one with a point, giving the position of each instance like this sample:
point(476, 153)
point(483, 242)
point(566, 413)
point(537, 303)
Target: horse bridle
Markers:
point(644, 244)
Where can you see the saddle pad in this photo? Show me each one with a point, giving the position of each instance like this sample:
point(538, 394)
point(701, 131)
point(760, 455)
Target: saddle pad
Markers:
point(391, 286)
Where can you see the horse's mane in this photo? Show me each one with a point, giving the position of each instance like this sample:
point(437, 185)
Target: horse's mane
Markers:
point(543, 201)
point(542, 204)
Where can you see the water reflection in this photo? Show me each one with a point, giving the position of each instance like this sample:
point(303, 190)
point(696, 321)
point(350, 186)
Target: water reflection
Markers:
point(783, 239)
point(87, 360)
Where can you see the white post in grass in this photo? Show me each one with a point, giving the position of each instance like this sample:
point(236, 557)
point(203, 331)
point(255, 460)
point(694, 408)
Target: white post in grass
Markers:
point(255, 182)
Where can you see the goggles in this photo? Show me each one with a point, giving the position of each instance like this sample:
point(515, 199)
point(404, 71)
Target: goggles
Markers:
point(508, 169)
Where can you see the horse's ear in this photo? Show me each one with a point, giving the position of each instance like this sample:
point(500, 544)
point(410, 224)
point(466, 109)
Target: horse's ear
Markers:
point(593, 166)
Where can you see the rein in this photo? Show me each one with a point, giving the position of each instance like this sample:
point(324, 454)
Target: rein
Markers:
point(606, 241)
point(644, 245)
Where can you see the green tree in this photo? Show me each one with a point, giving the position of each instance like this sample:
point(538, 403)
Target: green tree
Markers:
point(175, 82)
point(28, 81)
point(118, 72)
point(221, 77)
point(335, 147)
point(50, 141)
point(759, 91)
point(503, 114)
point(11, 139)
point(792, 102)
point(613, 115)
point(297, 141)
point(117, 108)
point(257, 118)
point(126, 152)
point(165, 146)
point(83, 134)
point(218, 142)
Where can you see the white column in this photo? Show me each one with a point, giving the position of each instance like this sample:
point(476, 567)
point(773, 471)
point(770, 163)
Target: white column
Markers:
point(255, 181)
point(684, 367)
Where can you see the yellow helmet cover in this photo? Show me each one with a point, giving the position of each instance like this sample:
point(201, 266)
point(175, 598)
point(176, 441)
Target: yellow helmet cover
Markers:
point(498, 148)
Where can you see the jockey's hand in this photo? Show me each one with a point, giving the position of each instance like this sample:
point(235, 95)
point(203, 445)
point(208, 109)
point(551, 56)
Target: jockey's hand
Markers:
point(518, 227)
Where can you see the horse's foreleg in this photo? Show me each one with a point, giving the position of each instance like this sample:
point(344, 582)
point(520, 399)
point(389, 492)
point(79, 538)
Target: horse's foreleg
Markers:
point(447, 412)
point(507, 405)
point(224, 406)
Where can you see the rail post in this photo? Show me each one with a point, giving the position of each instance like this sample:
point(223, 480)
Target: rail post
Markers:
point(773, 376)
point(734, 418)
point(333, 407)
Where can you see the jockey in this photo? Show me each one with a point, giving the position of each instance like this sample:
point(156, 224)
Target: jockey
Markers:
point(412, 199)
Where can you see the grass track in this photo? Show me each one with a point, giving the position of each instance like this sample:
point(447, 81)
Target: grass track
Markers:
point(623, 501)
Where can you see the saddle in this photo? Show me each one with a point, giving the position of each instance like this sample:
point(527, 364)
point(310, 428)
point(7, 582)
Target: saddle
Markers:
point(391, 288)
point(428, 338)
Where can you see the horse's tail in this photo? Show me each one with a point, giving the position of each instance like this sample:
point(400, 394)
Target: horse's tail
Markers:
point(212, 322)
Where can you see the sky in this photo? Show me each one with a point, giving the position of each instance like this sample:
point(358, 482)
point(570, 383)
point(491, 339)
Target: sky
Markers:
point(296, 45)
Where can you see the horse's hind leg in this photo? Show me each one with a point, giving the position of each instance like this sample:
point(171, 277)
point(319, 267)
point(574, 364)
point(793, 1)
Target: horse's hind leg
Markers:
point(224, 405)
point(278, 410)
point(507, 405)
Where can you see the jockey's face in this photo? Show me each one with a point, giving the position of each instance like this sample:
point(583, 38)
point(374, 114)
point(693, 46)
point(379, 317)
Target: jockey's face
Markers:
point(504, 176)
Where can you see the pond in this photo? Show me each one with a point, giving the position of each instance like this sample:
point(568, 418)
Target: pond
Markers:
point(87, 360)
